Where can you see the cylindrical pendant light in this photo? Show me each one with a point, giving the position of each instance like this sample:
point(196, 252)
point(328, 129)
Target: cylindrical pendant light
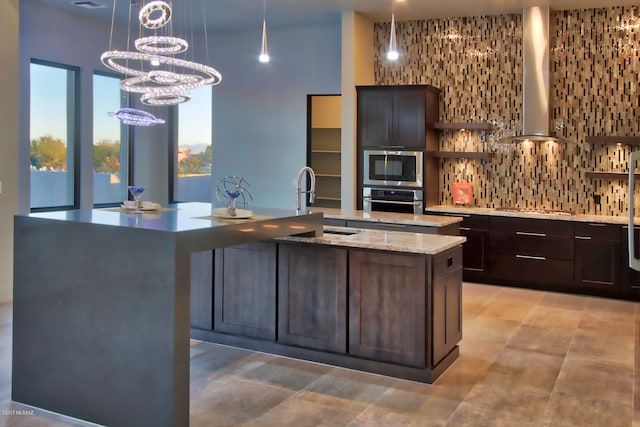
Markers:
point(264, 52)
point(392, 53)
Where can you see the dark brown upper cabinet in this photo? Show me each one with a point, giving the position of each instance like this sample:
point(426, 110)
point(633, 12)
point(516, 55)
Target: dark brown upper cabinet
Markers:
point(396, 117)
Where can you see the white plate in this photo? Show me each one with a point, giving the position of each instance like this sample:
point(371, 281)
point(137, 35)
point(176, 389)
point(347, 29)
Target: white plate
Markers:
point(146, 206)
point(240, 213)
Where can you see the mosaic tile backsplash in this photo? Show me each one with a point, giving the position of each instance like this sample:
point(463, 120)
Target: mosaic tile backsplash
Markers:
point(477, 62)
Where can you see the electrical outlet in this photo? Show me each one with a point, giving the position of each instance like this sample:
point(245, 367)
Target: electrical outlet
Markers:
point(596, 199)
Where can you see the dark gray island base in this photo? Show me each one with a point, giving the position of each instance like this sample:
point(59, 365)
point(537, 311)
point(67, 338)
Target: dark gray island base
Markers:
point(101, 307)
point(377, 301)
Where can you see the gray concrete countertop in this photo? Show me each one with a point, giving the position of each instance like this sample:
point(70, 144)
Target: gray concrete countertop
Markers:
point(388, 217)
point(395, 241)
point(447, 209)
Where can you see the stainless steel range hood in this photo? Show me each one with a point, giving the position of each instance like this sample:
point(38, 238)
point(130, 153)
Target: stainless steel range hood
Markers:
point(535, 85)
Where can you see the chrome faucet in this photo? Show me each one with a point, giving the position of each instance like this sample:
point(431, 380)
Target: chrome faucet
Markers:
point(312, 192)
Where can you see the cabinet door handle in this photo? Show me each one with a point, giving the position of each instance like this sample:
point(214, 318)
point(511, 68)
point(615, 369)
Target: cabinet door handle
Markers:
point(539, 258)
point(465, 228)
point(526, 233)
point(583, 237)
point(598, 225)
point(392, 146)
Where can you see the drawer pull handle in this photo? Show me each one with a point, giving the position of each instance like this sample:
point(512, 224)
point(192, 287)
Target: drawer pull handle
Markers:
point(449, 261)
point(583, 237)
point(539, 258)
point(526, 233)
point(598, 225)
point(465, 228)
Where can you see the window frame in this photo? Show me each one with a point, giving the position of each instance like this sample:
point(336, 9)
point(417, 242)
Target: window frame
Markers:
point(74, 131)
point(130, 136)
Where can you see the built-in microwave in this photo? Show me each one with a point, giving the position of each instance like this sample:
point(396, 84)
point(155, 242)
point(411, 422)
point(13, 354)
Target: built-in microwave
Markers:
point(393, 168)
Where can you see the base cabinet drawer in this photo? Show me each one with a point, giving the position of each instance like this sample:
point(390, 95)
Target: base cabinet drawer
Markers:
point(531, 271)
point(387, 315)
point(312, 297)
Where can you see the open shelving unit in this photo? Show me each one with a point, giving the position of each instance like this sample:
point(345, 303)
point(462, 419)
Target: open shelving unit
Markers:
point(477, 126)
point(323, 147)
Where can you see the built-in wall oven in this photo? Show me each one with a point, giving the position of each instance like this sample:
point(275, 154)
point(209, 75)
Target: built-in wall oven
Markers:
point(402, 200)
point(392, 181)
point(393, 168)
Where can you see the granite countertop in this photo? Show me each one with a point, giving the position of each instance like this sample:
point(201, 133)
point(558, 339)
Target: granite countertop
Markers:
point(395, 241)
point(447, 209)
point(388, 217)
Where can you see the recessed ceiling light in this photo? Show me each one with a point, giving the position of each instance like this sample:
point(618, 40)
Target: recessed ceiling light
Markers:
point(88, 4)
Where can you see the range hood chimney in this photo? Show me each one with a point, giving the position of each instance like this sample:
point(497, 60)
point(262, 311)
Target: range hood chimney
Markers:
point(535, 85)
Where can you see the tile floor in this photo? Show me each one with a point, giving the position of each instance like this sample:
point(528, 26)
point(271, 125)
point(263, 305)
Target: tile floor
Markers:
point(527, 358)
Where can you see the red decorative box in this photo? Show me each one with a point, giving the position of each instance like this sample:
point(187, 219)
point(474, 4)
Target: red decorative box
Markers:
point(462, 193)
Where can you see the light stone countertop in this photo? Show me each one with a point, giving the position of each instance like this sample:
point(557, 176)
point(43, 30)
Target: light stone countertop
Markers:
point(604, 219)
point(388, 217)
point(395, 241)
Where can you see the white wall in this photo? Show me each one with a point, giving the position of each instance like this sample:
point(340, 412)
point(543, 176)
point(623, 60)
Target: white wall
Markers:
point(260, 110)
point(9, 116)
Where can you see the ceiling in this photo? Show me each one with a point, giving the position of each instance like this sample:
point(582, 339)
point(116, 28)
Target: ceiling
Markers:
point(229, 15)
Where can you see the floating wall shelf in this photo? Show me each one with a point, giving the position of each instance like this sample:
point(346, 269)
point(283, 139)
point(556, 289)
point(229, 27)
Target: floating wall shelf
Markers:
point(463, 155)
point(626, 140)
point(608, 175)
point(461, 126)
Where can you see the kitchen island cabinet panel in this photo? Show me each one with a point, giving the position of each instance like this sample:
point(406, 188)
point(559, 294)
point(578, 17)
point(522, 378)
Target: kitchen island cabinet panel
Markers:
point(312, 293)
point(387, 316)
point(245, 290)
point(447, 310)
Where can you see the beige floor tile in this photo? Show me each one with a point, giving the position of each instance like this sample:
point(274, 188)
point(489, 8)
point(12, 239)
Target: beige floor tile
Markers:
point(596, 379)
point(343, 388)
point(235, 403)
point(473, 415)
point(615, 349)
point(608, 323)
point(378, 417)
point(610, 305)
point(566, 410)
point(416, 400)
point(507, 309)
point(553, 317)
point(491, 329)
point(572, 302)
point(523, 371)
point(545, 340)
point(295, 412)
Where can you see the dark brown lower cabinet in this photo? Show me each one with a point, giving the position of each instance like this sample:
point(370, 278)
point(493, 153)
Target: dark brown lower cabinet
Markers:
point(245, 290)
point(387, 300)
point(312, 297)
point(597, 257)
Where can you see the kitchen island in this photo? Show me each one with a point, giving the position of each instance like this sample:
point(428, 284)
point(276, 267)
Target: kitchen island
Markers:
point(380, 301)
point(103, 301)
point(101, 306)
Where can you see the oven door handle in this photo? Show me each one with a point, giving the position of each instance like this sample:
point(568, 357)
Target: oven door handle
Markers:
point(393, 202)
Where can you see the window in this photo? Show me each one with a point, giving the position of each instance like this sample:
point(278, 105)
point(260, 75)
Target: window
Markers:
point(192, 162)
point(53, 136)
point(110, 142)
